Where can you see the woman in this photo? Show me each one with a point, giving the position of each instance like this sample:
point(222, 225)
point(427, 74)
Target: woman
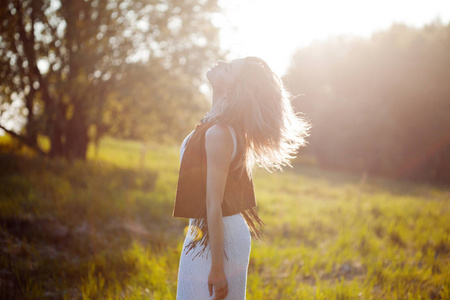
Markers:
point(251, 121)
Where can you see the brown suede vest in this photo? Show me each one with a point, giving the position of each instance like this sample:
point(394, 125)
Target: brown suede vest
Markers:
point(190, 201)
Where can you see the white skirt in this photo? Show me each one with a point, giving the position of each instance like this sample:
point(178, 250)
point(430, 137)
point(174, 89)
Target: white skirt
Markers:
point(193, 274)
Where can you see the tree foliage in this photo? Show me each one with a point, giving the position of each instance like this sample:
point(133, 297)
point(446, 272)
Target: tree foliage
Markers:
point(379, 105)
point(86, 68)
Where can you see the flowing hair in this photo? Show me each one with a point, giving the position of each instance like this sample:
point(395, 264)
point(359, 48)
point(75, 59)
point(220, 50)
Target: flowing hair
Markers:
point(259, 109)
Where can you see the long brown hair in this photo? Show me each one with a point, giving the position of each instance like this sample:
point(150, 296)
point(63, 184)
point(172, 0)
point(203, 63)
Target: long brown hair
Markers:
point(259, 109)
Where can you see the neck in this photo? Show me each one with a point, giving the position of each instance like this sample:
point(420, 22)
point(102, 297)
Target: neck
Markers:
point(217, 97)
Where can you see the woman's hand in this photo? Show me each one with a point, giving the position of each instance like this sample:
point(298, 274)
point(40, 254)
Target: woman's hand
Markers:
point(217, 279)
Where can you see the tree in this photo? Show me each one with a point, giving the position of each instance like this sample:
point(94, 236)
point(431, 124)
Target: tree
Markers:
point(70, 62)
point(379, 105)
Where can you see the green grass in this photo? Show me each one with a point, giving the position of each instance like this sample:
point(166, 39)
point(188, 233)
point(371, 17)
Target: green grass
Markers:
point(103, 230)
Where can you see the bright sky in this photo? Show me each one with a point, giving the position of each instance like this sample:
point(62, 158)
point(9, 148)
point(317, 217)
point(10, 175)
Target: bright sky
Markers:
point(274, 29)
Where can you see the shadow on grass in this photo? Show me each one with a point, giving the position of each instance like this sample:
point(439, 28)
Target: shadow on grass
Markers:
point(57, 219)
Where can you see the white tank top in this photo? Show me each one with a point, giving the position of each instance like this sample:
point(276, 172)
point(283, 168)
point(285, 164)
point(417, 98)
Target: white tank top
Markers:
point(233, 134)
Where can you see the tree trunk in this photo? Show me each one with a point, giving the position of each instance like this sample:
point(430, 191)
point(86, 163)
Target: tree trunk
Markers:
point(56, 141)
point(31, 129)
point(77, 134)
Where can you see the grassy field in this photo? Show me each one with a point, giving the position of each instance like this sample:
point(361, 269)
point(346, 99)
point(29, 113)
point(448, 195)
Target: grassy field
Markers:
point(103, 230)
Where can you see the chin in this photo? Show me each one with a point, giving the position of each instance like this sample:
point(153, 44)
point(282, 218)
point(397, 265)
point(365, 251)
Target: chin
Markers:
point(208, 75)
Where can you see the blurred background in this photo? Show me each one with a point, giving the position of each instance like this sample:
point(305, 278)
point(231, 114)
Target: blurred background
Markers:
point(373, 78)
point(96, 97)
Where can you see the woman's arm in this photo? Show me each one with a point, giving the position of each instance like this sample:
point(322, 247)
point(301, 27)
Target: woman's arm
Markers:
point(219, 148)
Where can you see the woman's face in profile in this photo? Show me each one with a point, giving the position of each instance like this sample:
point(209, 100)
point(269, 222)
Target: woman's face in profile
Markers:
point(224, 74)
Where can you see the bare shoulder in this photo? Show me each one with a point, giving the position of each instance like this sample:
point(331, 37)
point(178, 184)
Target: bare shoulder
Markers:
point(219, 137)
point(218, 130)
